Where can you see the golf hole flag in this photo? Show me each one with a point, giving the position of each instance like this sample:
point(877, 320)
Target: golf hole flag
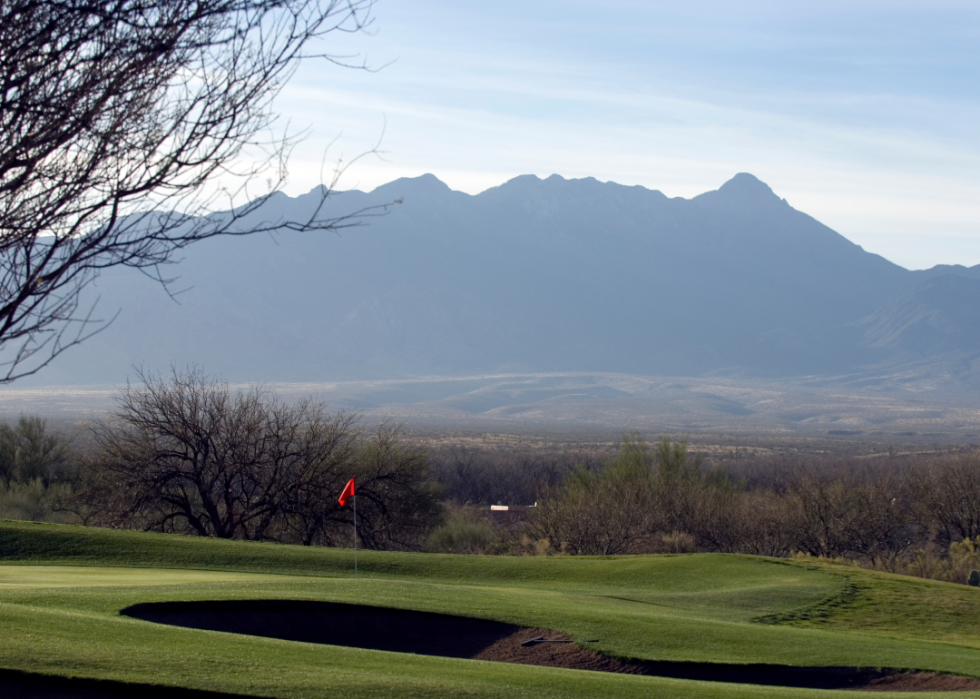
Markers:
point(348, 492)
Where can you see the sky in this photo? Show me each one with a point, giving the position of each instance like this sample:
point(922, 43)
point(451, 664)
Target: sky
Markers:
point(863, 114)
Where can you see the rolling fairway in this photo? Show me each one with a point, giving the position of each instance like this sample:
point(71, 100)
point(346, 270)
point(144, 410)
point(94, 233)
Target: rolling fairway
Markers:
point(62, 588)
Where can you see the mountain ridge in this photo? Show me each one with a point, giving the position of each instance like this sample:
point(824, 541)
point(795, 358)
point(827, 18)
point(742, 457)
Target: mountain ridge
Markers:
point(532, 275)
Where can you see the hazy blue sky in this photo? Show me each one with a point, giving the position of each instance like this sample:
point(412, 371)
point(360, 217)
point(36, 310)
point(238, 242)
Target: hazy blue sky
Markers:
point(863, 114)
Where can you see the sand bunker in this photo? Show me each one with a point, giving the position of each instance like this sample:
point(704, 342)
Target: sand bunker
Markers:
point(406, 631)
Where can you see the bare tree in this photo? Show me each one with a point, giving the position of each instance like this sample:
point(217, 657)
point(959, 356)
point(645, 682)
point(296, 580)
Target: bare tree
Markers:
point(397, 504)
point(114, 115)
point(947, 494)
point(186, 454)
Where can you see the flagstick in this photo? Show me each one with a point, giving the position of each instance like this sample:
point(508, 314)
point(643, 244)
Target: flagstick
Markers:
point(355, 536)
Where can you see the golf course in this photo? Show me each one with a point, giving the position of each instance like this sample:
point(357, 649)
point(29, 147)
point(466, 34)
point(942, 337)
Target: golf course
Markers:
point(88, 612)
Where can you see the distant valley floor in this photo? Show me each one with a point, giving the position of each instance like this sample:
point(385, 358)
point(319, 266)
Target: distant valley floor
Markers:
point(880, 409)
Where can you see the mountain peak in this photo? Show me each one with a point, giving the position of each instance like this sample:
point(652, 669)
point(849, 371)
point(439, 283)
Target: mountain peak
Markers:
point(742, 192)
point(744, 184)
point(423, 184)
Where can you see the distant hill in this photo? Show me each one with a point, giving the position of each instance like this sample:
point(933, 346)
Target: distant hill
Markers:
point(942, 270)
point(531, 276)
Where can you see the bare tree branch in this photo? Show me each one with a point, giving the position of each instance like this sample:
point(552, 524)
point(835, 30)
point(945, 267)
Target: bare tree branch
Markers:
point(114, 116)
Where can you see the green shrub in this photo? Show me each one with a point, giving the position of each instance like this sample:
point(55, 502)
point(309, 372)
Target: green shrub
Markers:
point(464, 532)
point(33, 502)
point(29, 452)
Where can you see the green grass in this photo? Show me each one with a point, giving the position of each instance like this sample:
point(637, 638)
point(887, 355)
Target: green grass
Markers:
point(61, 589)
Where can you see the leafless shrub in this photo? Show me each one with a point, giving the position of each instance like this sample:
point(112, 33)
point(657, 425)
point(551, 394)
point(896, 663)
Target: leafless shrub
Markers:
point(947, 494)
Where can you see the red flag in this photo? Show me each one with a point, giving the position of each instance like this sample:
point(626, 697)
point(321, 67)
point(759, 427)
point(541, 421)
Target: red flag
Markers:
point(348, 492)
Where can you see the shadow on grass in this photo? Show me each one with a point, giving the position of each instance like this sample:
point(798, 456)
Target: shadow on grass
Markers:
point(29, 685)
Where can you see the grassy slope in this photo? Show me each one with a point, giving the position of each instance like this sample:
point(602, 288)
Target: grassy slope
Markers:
point(61, 619)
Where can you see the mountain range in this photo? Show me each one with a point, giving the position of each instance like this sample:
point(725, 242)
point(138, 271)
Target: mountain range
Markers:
point(536, 275)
